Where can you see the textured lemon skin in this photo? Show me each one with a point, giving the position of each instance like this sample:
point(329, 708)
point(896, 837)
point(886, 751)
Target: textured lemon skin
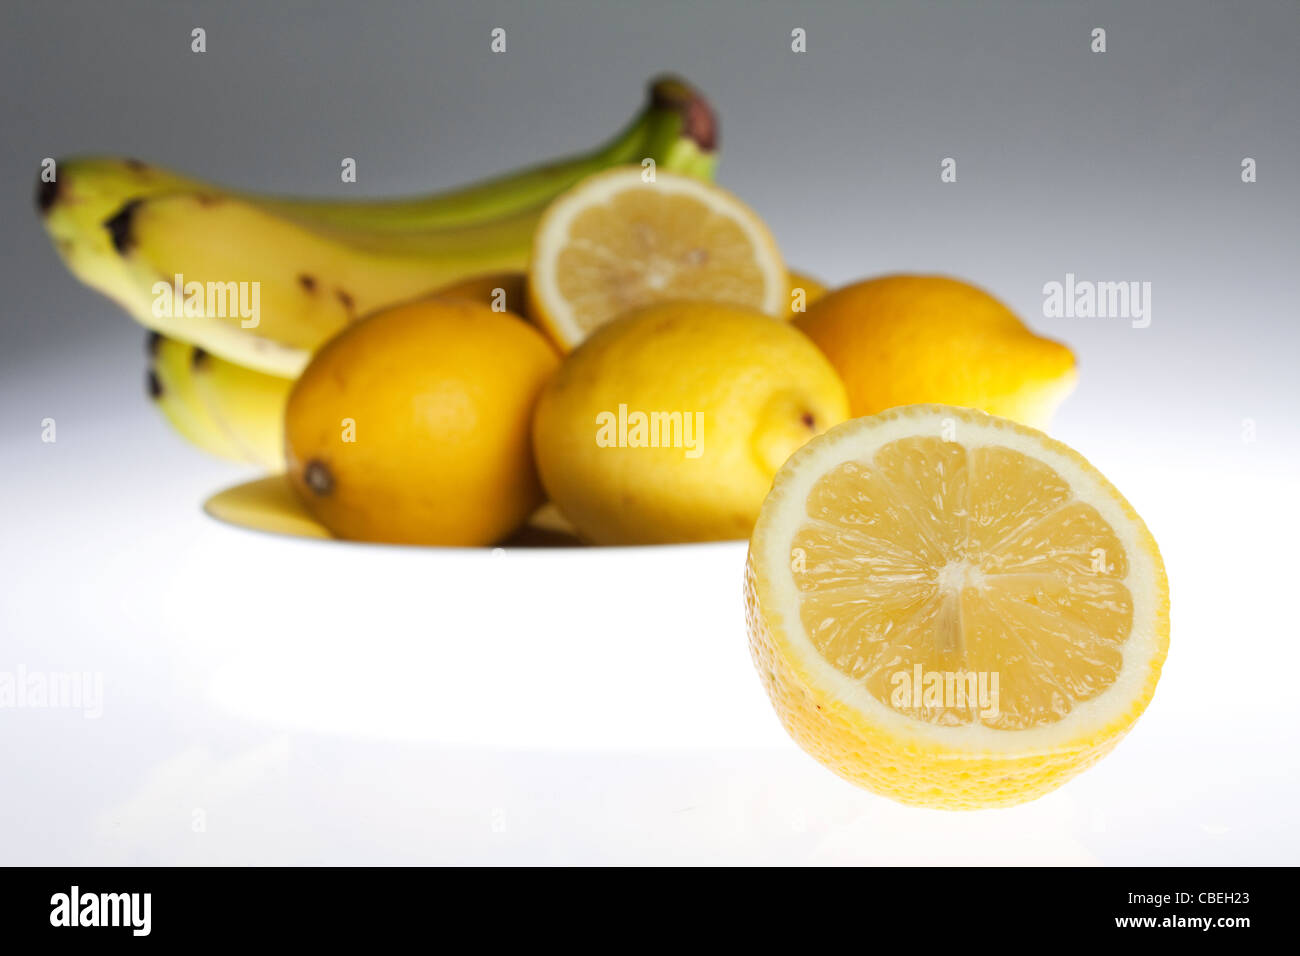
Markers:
point(915, 772)
point(750, 377)
point(908, 339)
point(441, 395)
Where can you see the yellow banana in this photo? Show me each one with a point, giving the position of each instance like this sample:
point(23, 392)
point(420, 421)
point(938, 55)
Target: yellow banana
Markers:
point(76, 205)
point(265, 292)
point(248, 405)
point(170, 384)
point(467, 231)
point(226, 410)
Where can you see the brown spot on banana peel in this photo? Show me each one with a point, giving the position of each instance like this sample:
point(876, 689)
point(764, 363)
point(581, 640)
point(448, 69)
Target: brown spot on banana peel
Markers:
point(809, 422)
point(348, 303)
point(307, 282)
point(119, 226)
point(699, 122)
point(153, 385)
point(198, 359)
point(152, 342)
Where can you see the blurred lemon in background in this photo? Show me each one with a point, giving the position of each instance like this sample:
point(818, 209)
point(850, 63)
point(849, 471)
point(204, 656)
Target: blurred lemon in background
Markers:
point(907, 339)
point(668, 423)
point(616, 242)
point(412, 426)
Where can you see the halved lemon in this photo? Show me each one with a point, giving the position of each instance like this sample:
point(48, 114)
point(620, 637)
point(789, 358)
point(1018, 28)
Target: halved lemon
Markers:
point(952, 609)
point(616, 241)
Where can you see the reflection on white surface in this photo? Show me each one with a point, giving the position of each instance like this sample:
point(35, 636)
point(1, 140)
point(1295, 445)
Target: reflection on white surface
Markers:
point(581, 649)
point(321, 703)
point(277, 802)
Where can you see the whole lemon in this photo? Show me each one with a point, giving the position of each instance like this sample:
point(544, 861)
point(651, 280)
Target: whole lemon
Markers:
point(668, 423)
point(912, 339)
point(412, 426)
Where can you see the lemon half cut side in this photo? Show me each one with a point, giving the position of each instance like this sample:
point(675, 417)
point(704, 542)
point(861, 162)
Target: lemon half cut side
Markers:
point(616, 242)
point(952, 609)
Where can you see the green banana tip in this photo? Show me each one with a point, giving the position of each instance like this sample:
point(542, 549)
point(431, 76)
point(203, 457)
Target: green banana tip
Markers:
point(699, 122)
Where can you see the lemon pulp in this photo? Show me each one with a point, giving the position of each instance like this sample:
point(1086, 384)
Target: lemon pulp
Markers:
point(963, 561)
point(641, 247)
point(616, 242)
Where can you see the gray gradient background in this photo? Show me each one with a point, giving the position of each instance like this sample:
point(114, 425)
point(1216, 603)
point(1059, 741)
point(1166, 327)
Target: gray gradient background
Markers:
point(1115, 166)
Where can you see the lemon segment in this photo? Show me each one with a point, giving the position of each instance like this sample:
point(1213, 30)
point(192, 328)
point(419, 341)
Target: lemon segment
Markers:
point(616, 242)
point(952, 609)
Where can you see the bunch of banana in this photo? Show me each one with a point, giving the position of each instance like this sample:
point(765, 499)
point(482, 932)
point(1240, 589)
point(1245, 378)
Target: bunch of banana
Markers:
point(275, 278)
point(225, 409)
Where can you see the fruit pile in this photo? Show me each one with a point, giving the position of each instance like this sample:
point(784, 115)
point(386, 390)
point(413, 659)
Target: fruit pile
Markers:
point(604, 332)
point(945, 606)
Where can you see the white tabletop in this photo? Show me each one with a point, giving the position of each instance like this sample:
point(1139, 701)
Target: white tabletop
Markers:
point(273, 700)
